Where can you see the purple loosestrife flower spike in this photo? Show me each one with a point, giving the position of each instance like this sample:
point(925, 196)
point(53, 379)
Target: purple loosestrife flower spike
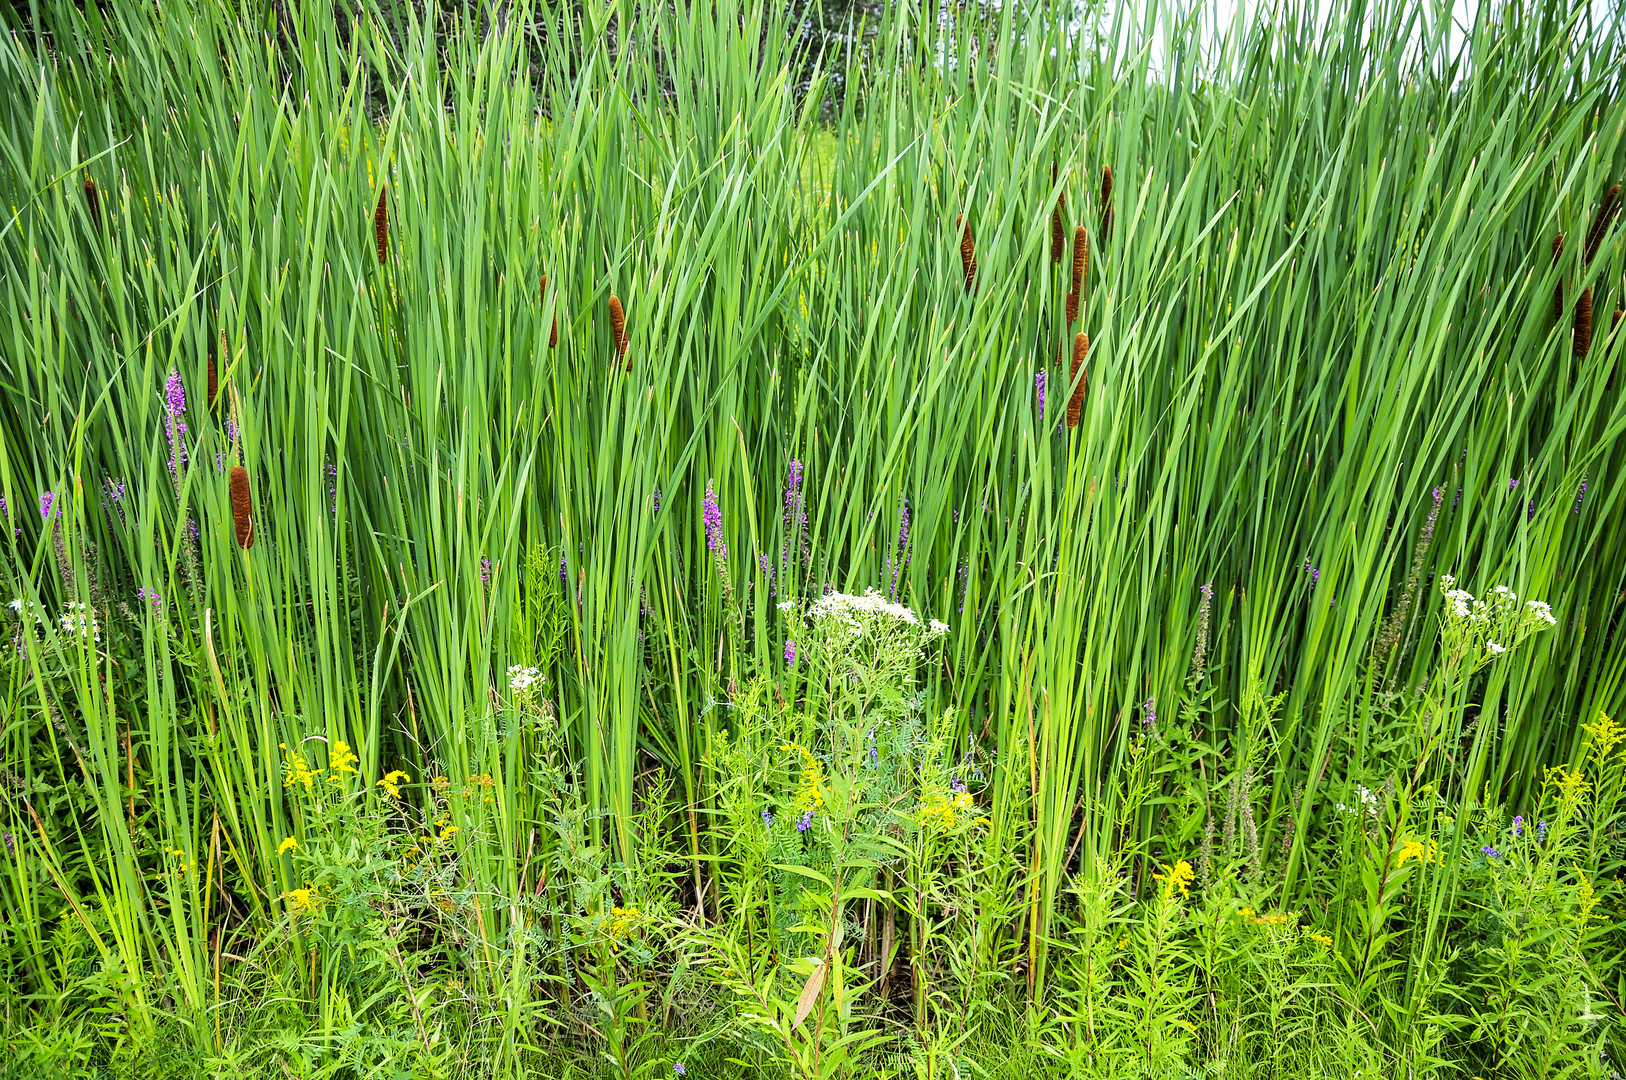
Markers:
point(712, 517)
point(1038, 384)
point(655, 502)
point(790, 653)
point(47, 501)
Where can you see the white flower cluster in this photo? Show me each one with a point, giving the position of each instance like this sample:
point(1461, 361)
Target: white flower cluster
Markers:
point(1498, 615)
point(77, 620)
point(521, 678)
point(846, 607)
point(80, 621)
point(1538, 610)
point(1368, 800)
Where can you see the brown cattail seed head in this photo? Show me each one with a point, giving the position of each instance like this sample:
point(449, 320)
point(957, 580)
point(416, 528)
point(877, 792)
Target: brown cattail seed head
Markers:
point(381, 228)
point(1072, 308)
point(242, 507)
point(1558, 289)
point(1601, 223)
point(1106, 202)
point(1075, 404)
point(214, 384)
point(1058, 230)
point(93, 202)
point(618, 325)
point(1581, 342)
point(968, 255)
point(1081, 260)
point(553, 330)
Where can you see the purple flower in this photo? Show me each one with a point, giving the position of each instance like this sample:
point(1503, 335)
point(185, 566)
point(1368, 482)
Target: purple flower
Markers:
point(485, 571)
point(174, 394)
point(1490, 852)
point(767, 818)
point(1579, 495)
point(1151, 712)
point(151, 596)
point(1541, 832)
point(1530, 510)
point(806, 821)
point(790, 653)
point(765, 564)
point(1038, 384)
point(11, 845)
point(898, 564)
point(679, 1069)
point(1518, 826)
point(564, 575)
point(655, 501)
point(957, 785)
point(1512, 482)
point(46, 502)
point(712, 517)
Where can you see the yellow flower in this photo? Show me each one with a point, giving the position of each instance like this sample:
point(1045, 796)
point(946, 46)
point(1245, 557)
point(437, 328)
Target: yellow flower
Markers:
point(1321, 939)
point(343, 761)
point(392, 783)
point(1246, 913)
point(807, 789)
point(290, 844)
point(619, 924)
point(295, 770)
point(1176, 877)
point(448, 832)
point(1416, 849)
point(302, 901)
point(1606, 735)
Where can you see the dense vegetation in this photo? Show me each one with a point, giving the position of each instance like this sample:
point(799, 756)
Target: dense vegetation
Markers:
point(607, 540)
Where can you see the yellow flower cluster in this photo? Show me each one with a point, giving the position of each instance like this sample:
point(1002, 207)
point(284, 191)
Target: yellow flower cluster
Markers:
point(1273, 918)
point(618, 924)
point(344, 761)
point(1606, 735)
point(392, 783)
point(1424, 853)
point(1571, 785)
point(302, 901)
point(295, 770)
point(1321, 939)
point(287, 845)
point(478, 786)
point(181, 867)
point(937, 808)
point(807, 788)
point(1176, 878)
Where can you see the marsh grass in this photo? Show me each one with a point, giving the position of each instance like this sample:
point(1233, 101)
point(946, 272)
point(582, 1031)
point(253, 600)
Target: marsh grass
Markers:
point(1324, 370)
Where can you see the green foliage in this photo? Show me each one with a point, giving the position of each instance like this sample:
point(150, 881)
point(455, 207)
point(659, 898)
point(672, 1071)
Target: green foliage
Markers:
point(799, 684)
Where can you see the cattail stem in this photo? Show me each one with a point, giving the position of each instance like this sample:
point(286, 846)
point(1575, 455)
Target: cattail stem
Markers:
point(1581, 339)
point(618, 327)
point(242, 507)
point(1075, 404)
point(1558, 289)
point(381, 227)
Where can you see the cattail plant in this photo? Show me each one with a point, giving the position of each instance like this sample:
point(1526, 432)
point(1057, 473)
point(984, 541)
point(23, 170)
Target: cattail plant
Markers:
point(1058, 230)
point(1581, 340)
point(1081, 270)
point(553, 330)
point(618, 327)
point(242, 508)
point(93, 202)
point(1558, 289)
point(1075, 404)
point(1106, 203)
point(1601, 223)
point(968, 253)
point(214, 381)
point(381, 228)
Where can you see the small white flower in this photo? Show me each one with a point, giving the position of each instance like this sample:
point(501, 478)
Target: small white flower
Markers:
point(938, 627)
point(1495, 649)
point(521, 678)
point(16, 605)
point(787, 605)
